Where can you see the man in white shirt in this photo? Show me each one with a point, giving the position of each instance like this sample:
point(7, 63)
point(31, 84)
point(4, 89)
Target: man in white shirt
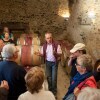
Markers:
point(51, 51)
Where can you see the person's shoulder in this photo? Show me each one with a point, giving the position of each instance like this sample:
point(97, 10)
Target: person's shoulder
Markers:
point(18, 67)
point(49, 95)
point(21, 68)
point(24, 95)
point(2, 63)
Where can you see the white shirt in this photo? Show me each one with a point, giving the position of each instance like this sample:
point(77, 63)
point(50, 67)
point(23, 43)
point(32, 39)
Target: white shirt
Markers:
point(42, 95)
point(49, 52)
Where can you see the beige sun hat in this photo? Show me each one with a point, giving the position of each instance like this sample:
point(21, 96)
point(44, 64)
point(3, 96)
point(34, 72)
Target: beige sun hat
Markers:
point(78, 46)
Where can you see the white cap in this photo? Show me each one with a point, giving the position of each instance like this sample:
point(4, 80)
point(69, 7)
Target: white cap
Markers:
point(78, 46)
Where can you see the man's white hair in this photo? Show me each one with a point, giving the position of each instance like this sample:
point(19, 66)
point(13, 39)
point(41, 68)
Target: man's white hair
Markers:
point(8, 51)
point(89, 94)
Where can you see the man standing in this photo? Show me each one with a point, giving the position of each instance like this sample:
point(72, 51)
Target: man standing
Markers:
point(51, 51)
point(12, 72)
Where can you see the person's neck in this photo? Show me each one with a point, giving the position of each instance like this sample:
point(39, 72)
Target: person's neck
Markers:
point(6, 39)
point(11, 59)
point(49, 43)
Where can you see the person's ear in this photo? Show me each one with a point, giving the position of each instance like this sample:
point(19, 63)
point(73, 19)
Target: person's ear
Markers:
point(15, 55)
point(84, 69)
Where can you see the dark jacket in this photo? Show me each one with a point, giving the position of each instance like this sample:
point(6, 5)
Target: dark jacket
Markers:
point(73, 69)
point(14, 75)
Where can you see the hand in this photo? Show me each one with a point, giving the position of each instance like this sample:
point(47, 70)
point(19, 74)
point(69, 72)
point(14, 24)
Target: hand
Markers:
point(4, 84)
point(37, 53)
point(71, 56)
point(98, 68)
point(76, 91)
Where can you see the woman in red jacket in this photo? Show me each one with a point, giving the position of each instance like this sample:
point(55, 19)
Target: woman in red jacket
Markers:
point(84, 77)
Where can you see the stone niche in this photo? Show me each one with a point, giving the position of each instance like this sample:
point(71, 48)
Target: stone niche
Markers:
point(17, 28)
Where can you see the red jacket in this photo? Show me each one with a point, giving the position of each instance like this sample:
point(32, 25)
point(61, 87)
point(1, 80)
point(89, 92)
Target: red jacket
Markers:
point(89, 82)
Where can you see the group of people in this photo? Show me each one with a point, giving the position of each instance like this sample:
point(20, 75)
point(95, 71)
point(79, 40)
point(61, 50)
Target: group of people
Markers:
point(82, 74)
point(17, 84)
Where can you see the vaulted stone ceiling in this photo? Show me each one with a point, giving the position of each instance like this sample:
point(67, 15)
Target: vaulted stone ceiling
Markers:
point(41, 15)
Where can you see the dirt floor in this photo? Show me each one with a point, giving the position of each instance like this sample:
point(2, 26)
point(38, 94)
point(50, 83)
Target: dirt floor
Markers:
point(62, 82)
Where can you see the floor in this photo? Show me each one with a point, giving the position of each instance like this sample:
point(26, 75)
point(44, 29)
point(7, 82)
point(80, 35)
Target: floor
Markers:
point(63, 82)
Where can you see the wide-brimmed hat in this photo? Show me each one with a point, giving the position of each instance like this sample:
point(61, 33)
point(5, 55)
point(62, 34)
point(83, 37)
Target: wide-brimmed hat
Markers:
point(78, 46)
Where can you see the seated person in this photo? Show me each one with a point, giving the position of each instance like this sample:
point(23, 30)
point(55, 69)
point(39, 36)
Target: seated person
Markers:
point(84, 77)
point(4, 90)
point(6, 30)
point(12, 72)
point(89, 94)
point(34, 81)
point(7, 40)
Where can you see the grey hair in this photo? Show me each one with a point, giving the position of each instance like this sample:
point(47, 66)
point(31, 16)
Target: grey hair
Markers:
point(8, 51)
point(89, 94)
point(85, 61)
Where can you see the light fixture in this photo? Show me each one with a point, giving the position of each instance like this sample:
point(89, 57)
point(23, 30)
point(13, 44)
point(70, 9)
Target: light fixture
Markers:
point(64, 13)
point(91, 14)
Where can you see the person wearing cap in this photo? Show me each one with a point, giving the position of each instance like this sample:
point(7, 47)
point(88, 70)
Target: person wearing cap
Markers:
point(76, 51)
point(12, 72)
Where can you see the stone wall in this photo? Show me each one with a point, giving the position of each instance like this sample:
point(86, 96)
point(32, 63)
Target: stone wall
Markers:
point(41, 15)
point(84, 25)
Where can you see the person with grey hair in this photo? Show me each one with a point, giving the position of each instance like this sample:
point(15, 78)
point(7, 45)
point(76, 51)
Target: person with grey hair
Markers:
point(89, 94)
point(84, 78)
point(12, 72)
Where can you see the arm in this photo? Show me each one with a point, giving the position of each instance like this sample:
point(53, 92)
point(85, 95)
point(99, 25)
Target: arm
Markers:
point(39, 53)
point(59, 51)
point(4, 90)
point(70, 60)
point(76, 91)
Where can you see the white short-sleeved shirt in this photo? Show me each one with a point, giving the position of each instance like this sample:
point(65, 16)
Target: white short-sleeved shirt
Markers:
point(42, 95)
point(49, 52)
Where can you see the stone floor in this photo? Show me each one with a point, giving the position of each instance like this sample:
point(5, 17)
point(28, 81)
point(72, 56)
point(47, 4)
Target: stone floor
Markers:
point(63, 82)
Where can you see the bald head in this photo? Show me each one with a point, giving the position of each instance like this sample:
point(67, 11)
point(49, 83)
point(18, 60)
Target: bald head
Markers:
point(48, 37)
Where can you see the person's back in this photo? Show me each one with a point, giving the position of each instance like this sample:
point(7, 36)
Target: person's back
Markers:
point(41, 95)
point(14, 74)
point(34, 82)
